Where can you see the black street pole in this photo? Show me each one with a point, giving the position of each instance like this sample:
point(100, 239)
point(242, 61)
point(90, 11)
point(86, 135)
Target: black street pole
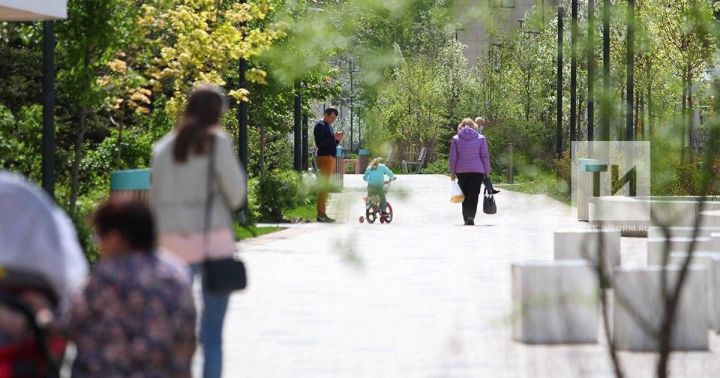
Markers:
point(48, 90)
point(559, 140)
point(630, 57)
point(359, 134)
point(243, 128)
point(352, 108)
point(573, 71)
point(591, 71)
point(605, 111)
point(297, 130)
point(305, 147)
point(243, 118)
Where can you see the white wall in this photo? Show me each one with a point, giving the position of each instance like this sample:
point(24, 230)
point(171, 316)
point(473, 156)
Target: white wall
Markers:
point(32, 10)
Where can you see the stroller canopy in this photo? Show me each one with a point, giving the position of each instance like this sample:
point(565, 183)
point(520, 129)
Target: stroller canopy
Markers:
point(37, 237)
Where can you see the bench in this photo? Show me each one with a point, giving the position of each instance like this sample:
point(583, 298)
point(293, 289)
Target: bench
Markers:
point(415, 165)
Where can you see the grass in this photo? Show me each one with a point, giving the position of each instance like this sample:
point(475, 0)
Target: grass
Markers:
point(547, 185)
point(242, 233)
point(302, 213)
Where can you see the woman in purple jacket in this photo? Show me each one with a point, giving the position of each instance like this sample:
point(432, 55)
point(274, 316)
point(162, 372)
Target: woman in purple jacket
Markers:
point(470, 164)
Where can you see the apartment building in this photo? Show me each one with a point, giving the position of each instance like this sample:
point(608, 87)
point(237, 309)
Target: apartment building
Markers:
point(474, 18)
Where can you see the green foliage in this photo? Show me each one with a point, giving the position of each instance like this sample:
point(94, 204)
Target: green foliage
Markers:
point(20, 141)
point(437, 167)
point(278, 192)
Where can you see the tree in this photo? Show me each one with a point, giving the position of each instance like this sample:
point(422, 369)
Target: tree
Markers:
point(85, 40)
point(200, 41)
point(688, 43)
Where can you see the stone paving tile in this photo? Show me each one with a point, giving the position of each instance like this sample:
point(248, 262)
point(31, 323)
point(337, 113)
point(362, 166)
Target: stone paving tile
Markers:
point(421, 297)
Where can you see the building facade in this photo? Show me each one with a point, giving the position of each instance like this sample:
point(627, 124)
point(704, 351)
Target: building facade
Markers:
point(476, 19)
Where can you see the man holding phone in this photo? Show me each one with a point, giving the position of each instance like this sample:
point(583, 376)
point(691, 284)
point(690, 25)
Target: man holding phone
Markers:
point(326, 141)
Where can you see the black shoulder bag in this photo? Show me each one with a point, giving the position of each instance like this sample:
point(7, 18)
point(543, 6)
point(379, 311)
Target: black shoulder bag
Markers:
point(224, 275)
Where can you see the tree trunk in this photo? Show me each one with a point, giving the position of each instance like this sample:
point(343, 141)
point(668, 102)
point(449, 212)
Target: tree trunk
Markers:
point(690, 129)
point(684, 125)
point(78, 155)
point(261, 161)
point(636, 123)
point(649, 110)
point(118, 144)
point(641, 115)
point(528, 96)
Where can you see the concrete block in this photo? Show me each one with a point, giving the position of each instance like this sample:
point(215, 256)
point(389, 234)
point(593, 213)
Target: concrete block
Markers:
point(656, 232)
point(555, 302)
point(711, 218)
point(638, 295)
point(658, 247)
point(715, 241)
point(711, 262)
point(585, 244)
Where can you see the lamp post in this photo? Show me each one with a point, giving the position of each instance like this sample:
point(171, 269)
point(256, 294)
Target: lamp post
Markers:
point(606, 72)
point(243, 124)
point(297, 129)
point(559, 132)
point(48, 90)
point(630, 58)
point(305, 148)
point(573, 70)
point(591, 70)
point(352, 104)
point(526, 64)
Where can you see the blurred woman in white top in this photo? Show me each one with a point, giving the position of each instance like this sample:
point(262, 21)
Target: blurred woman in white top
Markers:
point(179, 193)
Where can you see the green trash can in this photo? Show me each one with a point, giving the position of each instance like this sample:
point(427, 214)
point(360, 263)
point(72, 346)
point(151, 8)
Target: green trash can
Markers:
point(363, 159)
point(132, 182)
point(584, 187)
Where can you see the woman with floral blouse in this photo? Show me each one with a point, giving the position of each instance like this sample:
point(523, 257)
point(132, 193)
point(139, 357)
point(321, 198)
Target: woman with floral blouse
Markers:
point(136, 316)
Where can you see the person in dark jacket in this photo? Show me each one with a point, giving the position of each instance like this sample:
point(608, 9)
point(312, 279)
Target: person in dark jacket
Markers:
point(326, 140)
point(470, 164)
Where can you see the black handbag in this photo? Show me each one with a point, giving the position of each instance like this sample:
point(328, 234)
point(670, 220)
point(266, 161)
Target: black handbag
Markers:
point(222, 276)
point(489, 206)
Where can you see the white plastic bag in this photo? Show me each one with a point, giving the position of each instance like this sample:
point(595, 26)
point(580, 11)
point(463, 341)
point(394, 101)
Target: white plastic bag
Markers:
point(456, 194)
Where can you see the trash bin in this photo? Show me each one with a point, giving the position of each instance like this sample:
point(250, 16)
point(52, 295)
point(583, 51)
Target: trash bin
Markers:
point(339, 168)
point(584, 188)
point(133, 182)
point(363, 159)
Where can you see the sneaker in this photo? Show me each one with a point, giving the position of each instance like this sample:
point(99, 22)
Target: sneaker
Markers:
point(470, 222)
point(322, 218)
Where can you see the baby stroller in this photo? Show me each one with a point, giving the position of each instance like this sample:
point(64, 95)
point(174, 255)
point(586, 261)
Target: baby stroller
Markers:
point(41, 267)
point(372, 208)
point(27, 346)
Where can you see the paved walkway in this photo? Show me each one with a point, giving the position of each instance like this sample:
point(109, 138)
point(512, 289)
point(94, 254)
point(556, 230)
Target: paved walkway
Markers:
point(422, 297)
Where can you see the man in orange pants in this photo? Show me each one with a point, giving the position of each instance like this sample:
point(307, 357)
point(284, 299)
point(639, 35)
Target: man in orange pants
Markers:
point(326, 140)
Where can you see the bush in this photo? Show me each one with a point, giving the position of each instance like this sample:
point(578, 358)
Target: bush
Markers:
point(532, 145)
point(438, 167)
point(277, 192)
